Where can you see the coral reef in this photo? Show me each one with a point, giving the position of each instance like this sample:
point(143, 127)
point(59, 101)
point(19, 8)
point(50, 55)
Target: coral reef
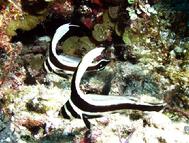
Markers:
point(150, 39)
point(159, 51)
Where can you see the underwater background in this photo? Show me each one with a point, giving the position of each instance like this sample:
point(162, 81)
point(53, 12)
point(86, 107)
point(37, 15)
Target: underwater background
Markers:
point(150, 39)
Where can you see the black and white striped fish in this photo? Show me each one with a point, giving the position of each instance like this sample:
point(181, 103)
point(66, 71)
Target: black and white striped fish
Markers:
point(62, 64)
point(92, 106)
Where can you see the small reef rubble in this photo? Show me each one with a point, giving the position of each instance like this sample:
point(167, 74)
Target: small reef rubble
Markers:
point(151, 39)
point(36, 119)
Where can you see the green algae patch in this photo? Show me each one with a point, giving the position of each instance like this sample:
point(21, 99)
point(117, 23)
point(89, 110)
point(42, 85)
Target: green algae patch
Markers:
point(77, 45)
point(103, 31)
point(127, 38)
point(37, 62)
point(25, 23)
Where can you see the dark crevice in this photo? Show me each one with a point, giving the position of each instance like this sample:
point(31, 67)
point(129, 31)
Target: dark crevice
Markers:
point(46, 28)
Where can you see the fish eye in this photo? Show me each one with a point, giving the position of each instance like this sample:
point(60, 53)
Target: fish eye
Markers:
point(103, 63)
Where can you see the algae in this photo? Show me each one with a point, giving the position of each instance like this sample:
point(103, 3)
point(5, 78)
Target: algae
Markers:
point(36, 62)
point(25, 23)
point(102, 32)
point(77, 45)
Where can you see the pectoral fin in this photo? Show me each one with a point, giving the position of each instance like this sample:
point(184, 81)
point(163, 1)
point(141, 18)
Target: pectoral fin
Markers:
point(86, 121)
